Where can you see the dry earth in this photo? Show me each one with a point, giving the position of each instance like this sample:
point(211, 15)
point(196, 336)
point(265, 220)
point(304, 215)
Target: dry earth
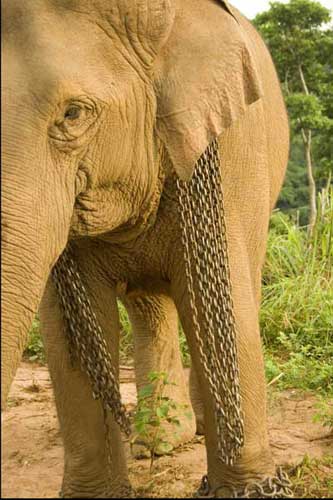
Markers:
point(32, 455)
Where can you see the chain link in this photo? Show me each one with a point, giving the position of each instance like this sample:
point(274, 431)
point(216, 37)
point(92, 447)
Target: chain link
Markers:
point(86, 340)
point(204, 241)
point(278, 486)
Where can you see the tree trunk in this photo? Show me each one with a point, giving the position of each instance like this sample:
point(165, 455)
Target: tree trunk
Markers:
point(307, 138)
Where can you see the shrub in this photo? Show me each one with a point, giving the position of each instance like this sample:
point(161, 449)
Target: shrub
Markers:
point(153, 411)
point(296, 314)
point(34, 350)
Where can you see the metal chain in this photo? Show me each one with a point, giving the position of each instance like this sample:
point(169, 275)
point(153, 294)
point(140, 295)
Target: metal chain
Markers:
point(85, 337)
point(278, 486)
point(203, 231)
point(204, 239)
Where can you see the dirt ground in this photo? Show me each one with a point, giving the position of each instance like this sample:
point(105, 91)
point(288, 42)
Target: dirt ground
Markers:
point(32, 454)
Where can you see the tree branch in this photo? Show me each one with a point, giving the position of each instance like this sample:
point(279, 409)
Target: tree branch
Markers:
point(304, 85)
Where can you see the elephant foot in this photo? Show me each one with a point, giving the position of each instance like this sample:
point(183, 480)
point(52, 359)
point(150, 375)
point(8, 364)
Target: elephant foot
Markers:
point(277, 486)
point(114, 491)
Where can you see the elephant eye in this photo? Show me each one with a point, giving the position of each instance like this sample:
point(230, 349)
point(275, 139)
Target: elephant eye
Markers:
point(73, 112)
point(74, 118)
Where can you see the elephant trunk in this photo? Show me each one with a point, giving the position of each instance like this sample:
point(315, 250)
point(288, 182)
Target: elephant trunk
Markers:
point(35, 228)
point(21, 292)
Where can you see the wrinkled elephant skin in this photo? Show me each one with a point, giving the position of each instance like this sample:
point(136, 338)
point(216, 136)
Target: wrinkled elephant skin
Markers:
point(103, 102)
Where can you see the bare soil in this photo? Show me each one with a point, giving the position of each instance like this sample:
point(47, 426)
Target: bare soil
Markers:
point(32, 454)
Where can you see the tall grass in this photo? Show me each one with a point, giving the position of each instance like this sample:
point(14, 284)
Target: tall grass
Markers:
point(126, 338)
point(297, 302)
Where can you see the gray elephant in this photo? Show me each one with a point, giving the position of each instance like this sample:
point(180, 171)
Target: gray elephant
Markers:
point(107, 107)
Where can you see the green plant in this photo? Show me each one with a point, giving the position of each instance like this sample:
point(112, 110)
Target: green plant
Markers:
point(184, 350)
point(312, 477)
point(154, 409)
point(126, 337)
point(297, 296)
point(299, 35)
point(325, 413)
point(34, 350)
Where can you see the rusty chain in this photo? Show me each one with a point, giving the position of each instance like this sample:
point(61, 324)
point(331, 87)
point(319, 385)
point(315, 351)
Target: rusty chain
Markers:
point(278, 486)
point(204, 241)
point(85, 337)
point(203, 232)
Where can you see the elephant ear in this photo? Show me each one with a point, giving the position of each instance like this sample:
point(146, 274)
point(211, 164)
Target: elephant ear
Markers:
point(205, 80)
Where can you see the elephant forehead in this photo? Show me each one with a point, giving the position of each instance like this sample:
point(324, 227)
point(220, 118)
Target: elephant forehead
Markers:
point(32, 26)
point(16, 13)
point(58, 52)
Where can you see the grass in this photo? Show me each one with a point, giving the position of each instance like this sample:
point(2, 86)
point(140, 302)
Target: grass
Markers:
point(126, 339)
point(296, 315)
point(34, 350)
point(313, 478)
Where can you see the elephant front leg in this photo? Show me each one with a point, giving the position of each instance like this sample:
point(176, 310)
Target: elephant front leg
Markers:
point(90, 471)
point(156, 341)
point(256, 460)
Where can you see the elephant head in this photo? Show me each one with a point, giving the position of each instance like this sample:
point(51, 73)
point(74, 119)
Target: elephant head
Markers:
point(92, 91)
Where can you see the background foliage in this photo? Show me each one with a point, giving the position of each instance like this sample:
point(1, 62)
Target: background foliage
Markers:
point(299, 35)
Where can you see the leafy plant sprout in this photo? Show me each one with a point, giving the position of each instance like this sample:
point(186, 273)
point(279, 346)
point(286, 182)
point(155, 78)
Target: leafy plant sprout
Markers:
point(154, 409)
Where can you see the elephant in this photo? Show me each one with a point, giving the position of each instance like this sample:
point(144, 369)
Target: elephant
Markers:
point(106, 105)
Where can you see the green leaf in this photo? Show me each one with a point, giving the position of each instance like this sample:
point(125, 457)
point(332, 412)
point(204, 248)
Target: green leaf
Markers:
point(146, 391)
point(155, 423)
point(165, 447)
point(140, 427)
point(162, 411)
